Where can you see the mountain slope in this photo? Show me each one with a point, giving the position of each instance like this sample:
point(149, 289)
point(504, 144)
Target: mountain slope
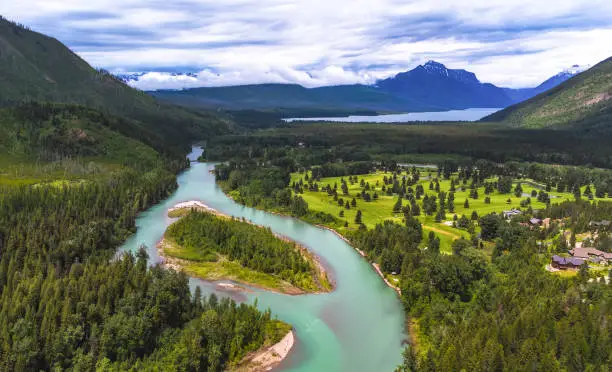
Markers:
point(35, 67)
point(47, 133)
point(291, 96)
point(435, 85)
point(584, 101)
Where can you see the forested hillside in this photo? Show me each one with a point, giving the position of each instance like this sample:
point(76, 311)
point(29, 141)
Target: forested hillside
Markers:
point(44, 132)
point(81, 154)
point(583, 102)
point(35, 67)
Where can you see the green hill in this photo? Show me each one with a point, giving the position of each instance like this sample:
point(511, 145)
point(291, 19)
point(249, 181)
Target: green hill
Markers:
point(583, 102)
point(35, 67)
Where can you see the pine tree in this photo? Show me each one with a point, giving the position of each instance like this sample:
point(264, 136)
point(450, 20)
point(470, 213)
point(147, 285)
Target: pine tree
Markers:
point(398, 206)
point(358, 217)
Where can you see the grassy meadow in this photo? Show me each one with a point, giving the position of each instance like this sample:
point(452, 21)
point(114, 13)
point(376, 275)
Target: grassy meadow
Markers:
point(381, 209)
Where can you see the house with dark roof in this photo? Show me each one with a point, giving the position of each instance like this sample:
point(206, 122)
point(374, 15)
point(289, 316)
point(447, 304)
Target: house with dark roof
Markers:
point(566, 263)
point(535, 221)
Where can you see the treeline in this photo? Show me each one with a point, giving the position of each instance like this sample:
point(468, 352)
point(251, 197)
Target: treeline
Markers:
point(551, 177)
point(264, 186)
point(581, 213)
point(389, 243)
point(67, 303)
point(363, 142)
point(342, 169)
point(254, 247)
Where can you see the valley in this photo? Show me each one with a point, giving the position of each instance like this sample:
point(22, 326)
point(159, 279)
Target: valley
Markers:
point(196, 230)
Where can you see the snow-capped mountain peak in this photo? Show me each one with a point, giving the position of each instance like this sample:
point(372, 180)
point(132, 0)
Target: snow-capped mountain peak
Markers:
point(435, 67)
point(575, 69)
point(438, 68)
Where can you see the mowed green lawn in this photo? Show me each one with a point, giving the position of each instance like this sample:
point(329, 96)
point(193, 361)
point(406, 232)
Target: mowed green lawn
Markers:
point(379, 210)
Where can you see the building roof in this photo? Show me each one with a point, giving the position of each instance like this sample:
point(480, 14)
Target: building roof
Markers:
point(586, 252)
point(512, 212)
point(567, 260)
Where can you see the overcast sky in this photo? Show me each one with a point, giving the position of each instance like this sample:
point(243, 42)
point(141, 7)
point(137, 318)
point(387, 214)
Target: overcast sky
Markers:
point(513, 43)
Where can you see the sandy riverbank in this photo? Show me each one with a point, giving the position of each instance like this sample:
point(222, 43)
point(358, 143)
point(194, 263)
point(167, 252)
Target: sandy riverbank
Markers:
point(362, 253)
point(267, 359)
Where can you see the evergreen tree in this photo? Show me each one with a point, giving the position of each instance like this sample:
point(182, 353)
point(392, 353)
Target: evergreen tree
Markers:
point(358, 217)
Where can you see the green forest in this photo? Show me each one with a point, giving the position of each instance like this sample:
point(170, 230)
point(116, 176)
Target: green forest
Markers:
point(205, 237)
point(66, 301)
point(81, 154)
point(487, 303)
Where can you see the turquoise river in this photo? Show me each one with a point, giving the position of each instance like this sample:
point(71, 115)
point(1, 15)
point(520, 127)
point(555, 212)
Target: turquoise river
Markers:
point(358, 327)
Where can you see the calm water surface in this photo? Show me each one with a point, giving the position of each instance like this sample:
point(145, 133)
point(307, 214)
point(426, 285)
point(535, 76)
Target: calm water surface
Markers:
point(471, 114)
point(358, 327)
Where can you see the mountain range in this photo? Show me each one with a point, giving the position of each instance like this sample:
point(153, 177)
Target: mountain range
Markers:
point(428, 87)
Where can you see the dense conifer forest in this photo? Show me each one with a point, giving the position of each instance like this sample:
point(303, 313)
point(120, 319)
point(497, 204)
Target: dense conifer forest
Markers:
point(72, 180)
point(66, 300)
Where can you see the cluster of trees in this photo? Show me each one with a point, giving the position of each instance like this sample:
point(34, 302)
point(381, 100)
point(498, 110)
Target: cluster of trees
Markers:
point(342, 169)
point(507, 315)
point(254, 247)
point(66, 301)
point(264, 185)
point(388, 243)
point(561, 179)
point(580, 213)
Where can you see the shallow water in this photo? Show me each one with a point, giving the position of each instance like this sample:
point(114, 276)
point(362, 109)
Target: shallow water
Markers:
point(471, 114)
point(358, 327)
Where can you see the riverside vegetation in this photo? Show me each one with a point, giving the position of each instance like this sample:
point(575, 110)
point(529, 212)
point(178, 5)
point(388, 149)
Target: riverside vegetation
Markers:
point(477, 300)
point(214, 248)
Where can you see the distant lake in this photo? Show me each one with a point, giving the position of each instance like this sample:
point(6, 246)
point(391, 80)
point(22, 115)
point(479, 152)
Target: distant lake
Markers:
point(471, 114)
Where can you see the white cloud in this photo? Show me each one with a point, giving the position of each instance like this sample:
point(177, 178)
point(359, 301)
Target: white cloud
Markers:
point(322, 42)
point(330, 75)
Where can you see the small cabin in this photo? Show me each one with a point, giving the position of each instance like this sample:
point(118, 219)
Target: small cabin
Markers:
point(566, 263)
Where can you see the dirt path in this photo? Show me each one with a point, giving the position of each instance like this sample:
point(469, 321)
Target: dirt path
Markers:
point(443, 232)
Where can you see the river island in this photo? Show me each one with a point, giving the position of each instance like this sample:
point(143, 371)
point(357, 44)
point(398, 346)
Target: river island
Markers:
point(213, 246)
